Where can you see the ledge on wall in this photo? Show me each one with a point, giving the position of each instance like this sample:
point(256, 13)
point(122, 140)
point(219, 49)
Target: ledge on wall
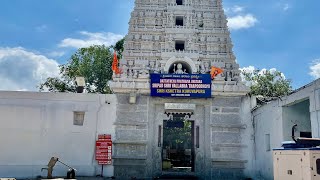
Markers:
point(228, 160)
point(130, 123)
point(239, 126)
point(232, 145)
point(130, 157)
point(223, 163)
point(131, 142)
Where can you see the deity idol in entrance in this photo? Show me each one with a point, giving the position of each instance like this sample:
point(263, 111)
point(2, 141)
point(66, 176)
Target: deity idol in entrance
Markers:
point(179, 69)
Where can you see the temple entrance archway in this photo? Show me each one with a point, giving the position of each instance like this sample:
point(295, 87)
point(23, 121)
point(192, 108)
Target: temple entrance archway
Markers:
point(186, 62)
point(180, 67)
point(178, 145)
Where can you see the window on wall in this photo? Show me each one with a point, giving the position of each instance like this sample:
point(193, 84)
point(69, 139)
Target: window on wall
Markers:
point(179, 45)
point(179, 21)
point(179, 2)
point(78, 118)
point(267, 142)
point(318, 166)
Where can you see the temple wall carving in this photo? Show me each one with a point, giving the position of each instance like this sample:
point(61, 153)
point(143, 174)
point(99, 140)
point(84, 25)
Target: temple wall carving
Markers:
point(150, 43)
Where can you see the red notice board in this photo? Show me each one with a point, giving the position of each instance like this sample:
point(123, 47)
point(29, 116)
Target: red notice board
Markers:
point(104, 150)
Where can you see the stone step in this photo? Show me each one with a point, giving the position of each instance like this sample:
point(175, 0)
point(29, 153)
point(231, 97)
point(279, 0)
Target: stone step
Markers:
point(77, 178)
point(174, 177)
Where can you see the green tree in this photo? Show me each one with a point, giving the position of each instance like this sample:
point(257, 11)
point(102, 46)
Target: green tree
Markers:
point(55, 84)
point(119, 47)
point(92, 63)
point(267, 83)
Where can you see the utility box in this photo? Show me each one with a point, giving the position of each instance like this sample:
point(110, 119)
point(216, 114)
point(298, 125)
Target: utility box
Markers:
point(296, 164)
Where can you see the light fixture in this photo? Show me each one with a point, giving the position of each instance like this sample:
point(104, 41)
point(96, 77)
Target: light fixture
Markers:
point(80, 82)
point(132, 98)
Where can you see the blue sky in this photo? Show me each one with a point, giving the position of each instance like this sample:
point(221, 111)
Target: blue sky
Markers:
point(37, 35)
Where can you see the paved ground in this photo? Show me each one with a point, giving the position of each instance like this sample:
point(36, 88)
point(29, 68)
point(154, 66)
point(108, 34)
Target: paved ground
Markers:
point(78, 178)
point(106, 178)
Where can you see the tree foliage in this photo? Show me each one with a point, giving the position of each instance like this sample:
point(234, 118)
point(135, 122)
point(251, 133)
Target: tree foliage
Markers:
point(93, 63)
point(55, 84)
point(178, 136)
point(268, 83)
point(119, 47)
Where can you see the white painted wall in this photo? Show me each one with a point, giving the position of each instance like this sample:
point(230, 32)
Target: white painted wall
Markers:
point(246, 135)
point(275, 118)
point(311, 92)
point(266, 120)
point(37, 126)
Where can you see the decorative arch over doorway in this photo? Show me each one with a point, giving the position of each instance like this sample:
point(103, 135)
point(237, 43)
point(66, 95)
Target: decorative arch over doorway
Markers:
point(186, 62)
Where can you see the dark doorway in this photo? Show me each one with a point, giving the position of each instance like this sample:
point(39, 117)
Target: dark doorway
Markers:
point(178, 145)
point(179, 45)
point(179, 21)
point(179, 2)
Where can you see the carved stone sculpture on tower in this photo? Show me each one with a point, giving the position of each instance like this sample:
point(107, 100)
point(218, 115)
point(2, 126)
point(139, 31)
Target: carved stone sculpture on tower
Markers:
point(143, 73)
point(179, 69)
point(202, 34)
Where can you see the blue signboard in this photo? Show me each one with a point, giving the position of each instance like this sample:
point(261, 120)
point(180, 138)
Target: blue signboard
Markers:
point(181, 85)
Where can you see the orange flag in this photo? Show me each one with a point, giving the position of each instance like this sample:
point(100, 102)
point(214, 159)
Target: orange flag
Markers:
point(115, 68)
point(215, 72)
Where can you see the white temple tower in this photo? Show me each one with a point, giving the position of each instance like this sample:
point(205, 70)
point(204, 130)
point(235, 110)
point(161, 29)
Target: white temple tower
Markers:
point(163, 33)
point(180, 38)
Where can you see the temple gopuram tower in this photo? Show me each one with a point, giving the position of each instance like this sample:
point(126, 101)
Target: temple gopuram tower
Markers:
point(173, 119)
point(167, 32)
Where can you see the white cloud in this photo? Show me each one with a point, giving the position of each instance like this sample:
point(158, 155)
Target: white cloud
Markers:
point(237, 9)
point(286, 7)
point(241, 22)
point(41, 28)
point(252, 69)
point(283, 6)
point(315, 69)
point(88, 39)
point(56, 53)
point(234, 9)
point(22, 70)
point(249, 69)
point(238, 18)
